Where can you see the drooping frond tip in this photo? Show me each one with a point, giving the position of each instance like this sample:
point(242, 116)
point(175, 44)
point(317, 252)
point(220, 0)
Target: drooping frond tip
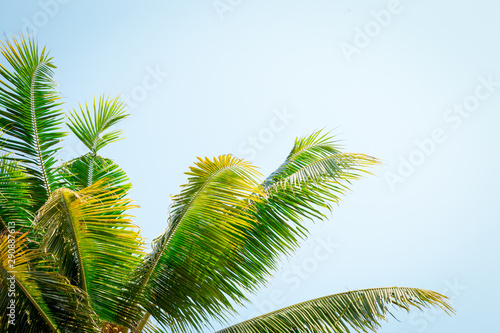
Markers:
point(316, 159)
point(353, 311)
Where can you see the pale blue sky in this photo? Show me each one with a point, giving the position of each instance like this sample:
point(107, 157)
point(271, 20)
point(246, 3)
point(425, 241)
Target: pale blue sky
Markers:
point(413, 83)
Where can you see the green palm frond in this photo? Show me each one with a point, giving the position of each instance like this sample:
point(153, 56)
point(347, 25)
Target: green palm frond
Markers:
point(103, 170)
point(15, 198)
point(89, 126)
point(30, 114)
point(96, 245)
point(317, 158)
point(184, 282)
point(313, 177)
point(353, 311)
point(44, 301)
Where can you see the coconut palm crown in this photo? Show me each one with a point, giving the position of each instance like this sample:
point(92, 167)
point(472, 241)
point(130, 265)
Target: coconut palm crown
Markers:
point(72, 260)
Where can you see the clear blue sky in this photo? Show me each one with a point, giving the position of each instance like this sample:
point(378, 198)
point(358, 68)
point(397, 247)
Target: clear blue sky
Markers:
point(414, 83)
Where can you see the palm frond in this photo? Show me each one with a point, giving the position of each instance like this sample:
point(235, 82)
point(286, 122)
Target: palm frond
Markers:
point(90, 128)
point(103, 170)
point(184, 281)
point(96, 245)
point(317, 158)
point(314, 176)
point(15, 196)
point(30, 114)
point(353, 311)
point(43, 301)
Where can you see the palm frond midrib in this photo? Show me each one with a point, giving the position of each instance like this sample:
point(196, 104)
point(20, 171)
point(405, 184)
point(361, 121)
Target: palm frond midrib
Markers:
point(35, 128)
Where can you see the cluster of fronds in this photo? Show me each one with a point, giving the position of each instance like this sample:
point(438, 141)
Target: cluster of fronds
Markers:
point(78, 264)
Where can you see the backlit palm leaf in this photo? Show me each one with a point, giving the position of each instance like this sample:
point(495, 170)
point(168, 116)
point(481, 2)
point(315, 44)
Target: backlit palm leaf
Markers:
point(353, 311)
point(96, 245)
point(91, 128)
point(226, 232)
point(314, 175)
point(103, 170)
point(44, 301)
point(15, 198)
point(185, 282)
point(29, 113)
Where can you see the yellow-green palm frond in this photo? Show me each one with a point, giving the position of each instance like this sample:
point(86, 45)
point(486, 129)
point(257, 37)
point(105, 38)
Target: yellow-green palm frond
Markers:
point(89, 168)
point(353, 311)
point(183, 280)
point(314, 175)
point(90, 126)
point(91, 234)
point(34, 296)
point(93, 130)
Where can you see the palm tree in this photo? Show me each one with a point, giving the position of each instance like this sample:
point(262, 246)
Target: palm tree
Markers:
point(71, 259)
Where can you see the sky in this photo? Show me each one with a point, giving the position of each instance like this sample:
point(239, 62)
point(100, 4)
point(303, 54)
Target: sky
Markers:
point(413, 83)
